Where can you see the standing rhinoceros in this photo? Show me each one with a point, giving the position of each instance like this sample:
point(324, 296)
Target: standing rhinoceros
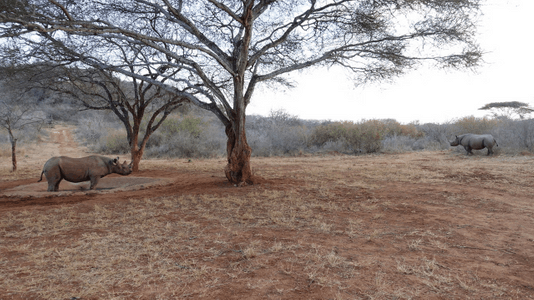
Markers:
point(81, 169)
point(475, 141)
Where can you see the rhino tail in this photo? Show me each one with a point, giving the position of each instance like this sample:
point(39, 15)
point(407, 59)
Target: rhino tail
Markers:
point(41, 176)
point(494, 140)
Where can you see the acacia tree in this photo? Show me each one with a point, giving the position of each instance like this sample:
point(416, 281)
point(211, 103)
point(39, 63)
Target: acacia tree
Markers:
point(508, 109)
point(131, 101)
point(223, 49)
point(128, 97)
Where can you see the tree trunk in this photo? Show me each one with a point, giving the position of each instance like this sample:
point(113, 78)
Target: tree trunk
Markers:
point(136, 158)
point(13, 153)
point(238, 170)
point(13, 141)
point(136, 152)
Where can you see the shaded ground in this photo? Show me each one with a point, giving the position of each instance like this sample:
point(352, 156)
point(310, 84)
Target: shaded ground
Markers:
point(110, 183)
point(426, 225)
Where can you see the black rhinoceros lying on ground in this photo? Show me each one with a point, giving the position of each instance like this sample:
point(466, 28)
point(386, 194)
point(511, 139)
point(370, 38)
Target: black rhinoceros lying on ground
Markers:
point(475, 141)
point(81, 169)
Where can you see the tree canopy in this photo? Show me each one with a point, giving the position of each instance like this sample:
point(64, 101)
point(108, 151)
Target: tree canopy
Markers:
point(214, 53)
point(508, 109)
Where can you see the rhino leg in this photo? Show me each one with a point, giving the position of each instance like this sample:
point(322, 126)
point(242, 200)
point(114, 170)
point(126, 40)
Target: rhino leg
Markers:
point(53, 185)
point(490, 151)
point(56, 187)
point(468, 149)
point(53, 182)
point(94, 182)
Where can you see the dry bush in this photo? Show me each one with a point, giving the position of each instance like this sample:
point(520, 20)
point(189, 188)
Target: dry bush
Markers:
point(195, 134)
point(475, 125)
point(93, 127)
point(356, 137)
point(113, 142)
point(278, 134)
point(515, 136)
point(362, 137)
point(398, 144)
point(187, 136)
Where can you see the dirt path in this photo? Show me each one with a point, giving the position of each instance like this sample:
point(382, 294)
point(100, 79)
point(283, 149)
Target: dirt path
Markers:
point(61, 143)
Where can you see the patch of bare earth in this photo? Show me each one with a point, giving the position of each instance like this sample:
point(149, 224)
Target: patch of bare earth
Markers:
point(425, 225)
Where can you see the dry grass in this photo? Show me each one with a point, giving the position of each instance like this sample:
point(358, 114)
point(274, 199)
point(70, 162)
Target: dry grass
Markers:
point(25, 165)
point(5, 150)
point(411, 226)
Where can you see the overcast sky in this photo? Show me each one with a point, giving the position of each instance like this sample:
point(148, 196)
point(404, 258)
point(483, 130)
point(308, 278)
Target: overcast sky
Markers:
point(424, 95)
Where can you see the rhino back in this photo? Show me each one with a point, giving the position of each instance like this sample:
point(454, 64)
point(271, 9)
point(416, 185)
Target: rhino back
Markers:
point(82, 169)
point(476, 141)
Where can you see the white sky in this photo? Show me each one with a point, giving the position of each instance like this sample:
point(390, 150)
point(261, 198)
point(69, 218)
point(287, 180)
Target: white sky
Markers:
point(425, 95)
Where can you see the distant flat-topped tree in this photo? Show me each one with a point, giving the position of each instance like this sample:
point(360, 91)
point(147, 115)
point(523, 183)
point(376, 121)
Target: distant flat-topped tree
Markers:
point(508, 109)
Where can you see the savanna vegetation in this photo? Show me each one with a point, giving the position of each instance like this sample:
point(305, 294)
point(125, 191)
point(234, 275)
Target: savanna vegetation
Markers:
point(195, 135)
point(192, 133)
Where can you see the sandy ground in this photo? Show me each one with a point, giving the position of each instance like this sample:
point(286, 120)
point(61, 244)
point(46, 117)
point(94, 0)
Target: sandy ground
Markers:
point(423, 225)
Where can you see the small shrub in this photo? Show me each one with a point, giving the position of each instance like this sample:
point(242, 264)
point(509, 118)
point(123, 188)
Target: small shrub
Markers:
point(115, 141)
point(363, 137)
